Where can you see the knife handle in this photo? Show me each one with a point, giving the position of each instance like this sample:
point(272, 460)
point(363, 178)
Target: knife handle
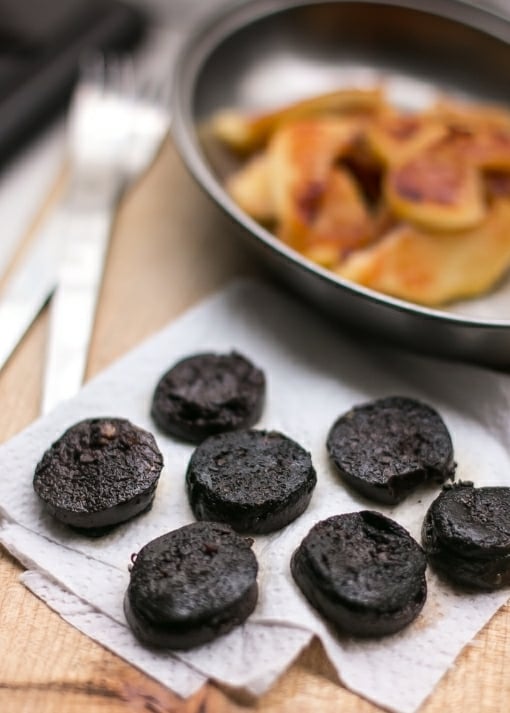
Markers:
point(73, 307)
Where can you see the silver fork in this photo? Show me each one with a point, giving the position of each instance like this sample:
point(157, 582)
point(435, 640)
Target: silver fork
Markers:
point(117, 123)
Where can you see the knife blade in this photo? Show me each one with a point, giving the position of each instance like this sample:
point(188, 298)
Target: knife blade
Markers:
point(30, 286)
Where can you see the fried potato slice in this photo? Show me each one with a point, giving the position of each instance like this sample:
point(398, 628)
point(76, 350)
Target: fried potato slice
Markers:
point(487, 148)
point(471, 115)
point(315, 203)
point(431, 268)
point(415, 206)
point(482, 132)
point(244, 133)
point(395, 138)
point(437, 189)
point(342, 221)
point(250, 189)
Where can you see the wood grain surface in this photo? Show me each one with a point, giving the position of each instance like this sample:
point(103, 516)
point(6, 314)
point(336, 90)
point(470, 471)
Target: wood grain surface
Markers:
point(171, 247)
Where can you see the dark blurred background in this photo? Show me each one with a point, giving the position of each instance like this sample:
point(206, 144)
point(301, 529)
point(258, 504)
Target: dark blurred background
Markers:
point(41, 42)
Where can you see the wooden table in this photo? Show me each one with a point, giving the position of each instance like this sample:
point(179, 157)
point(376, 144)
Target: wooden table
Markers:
point(171, 247)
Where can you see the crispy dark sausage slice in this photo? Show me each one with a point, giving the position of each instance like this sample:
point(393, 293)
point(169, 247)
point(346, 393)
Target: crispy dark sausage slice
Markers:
point(363, 572)
point(386, 448)
point(208, 393)
point(466, 535)
point(191, 585)
point(257, 481)
point(99, 473)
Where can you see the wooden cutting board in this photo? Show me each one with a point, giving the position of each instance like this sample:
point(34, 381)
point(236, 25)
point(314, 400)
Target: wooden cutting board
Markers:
point(171, 247)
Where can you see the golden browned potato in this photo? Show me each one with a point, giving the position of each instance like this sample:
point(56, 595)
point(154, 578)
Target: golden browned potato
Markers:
point(342, 222)
point(472, 115)
point(395, 138)
point(414, 205)
point(482, 132)
point(245, 133)
point(438, 189)
point(250, 189)
point(319, 207)
point(434, 268)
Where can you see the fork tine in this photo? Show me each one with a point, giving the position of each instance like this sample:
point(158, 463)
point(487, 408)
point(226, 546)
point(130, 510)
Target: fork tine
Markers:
point(92, 68)
point(116, 129)
point(120, 75)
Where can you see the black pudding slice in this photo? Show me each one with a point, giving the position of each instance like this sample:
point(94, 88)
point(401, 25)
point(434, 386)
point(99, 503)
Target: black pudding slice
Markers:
point(363, 572)
point(191, 585)
point(99, 473)
point(386, 448)
point(466, 535)
point(207, 394)
point(257, 481)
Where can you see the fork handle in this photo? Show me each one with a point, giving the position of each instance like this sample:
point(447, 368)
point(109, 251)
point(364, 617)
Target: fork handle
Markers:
point(84, 249)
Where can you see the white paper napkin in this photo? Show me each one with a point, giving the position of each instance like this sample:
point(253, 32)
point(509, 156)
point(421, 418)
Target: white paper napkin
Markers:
point(182, 679)
point(314, 373)
point(89, 595)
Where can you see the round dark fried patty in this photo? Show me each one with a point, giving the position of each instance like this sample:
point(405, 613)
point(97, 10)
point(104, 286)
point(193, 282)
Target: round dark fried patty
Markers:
point(466, 535)
point(100, 472)
point(208, 393)
point(386, 448)
point(191, 585)
point(257, 481)
point(363, 572)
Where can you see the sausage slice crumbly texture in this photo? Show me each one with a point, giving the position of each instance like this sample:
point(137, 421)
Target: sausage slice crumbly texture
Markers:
point(385, 449)
point(466, 535)
point(412, 204)
point(256, 481)
point(191, 585)
point(363, 572)
point(99, 473)
point(208, 393)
